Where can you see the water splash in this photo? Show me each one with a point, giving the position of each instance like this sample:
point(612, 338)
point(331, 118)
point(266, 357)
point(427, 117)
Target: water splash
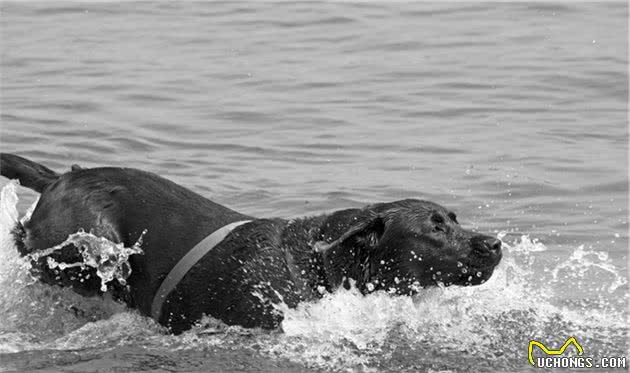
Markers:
point(8, 212)
point(581, 261)
point(110, 259)
point(35, 314)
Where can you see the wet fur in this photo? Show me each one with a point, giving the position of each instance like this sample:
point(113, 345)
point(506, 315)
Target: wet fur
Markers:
point(259, 264)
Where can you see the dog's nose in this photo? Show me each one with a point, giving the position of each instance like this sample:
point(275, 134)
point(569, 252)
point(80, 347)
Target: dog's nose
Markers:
point(486, 246)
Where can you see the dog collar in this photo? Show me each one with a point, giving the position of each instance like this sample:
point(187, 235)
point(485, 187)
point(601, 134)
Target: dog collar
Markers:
point(186, 263)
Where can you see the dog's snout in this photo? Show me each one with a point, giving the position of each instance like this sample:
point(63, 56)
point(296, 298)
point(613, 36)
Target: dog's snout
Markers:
point(486, 246)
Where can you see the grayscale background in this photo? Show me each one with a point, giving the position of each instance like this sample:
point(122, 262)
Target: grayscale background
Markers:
point(513, 115)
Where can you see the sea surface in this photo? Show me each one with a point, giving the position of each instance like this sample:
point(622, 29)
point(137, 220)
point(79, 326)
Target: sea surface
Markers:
point(513, 115)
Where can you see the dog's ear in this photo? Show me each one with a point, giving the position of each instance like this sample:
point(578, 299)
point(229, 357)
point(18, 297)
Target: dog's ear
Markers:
point(365, 234)
point(348, 257)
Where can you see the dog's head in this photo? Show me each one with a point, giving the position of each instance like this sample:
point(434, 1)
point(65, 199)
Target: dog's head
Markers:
point(406, 245)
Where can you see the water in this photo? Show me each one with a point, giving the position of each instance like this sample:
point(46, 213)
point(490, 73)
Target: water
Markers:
point(513, 115)
point(110, 259)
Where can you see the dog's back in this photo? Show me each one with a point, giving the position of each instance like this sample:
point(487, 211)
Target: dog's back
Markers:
point(118, 204)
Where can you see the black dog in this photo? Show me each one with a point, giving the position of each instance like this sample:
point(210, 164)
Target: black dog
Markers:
point(398, 247)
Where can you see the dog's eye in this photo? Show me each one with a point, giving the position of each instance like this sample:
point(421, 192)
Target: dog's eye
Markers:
point(439, 223)
point(453, 217)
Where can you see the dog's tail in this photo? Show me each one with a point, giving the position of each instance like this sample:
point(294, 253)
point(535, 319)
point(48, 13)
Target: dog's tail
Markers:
point(30, 174)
